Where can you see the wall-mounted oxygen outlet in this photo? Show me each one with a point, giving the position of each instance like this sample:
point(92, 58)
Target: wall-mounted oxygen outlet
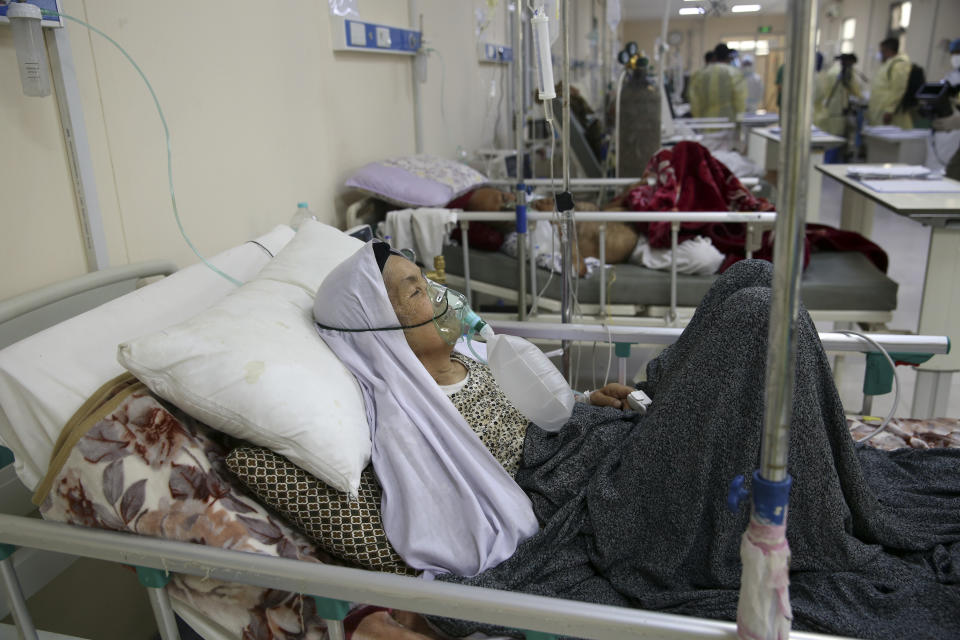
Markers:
point(355, 35)
point(45, 5)
point(491, 52)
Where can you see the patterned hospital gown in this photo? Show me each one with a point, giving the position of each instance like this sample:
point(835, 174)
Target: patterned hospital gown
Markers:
point(486, 409)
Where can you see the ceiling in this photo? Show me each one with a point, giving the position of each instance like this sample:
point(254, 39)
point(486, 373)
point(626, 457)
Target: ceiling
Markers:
point(647, 9)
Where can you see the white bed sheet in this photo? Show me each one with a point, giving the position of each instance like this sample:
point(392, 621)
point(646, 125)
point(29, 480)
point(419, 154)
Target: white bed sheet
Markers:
point(45, 378)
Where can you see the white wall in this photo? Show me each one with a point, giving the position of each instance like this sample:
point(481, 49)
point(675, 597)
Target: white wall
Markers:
point(262, 113)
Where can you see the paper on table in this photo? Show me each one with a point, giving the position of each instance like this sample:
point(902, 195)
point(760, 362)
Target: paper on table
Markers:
point(882, 129)
point(913, 186)
point(895, 133)
point(878, 171)
point(814, 129)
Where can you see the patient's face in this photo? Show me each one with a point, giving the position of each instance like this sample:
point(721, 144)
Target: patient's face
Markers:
point(407, 289)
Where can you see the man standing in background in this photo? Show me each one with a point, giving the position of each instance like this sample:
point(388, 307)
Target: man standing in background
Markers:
point(832, 91)
point(690, 89)
point(887, 87)
point(754, 85)
point(720, 90)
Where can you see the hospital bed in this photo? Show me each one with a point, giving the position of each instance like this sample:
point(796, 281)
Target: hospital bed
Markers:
point(837, 286)
point(51, 372)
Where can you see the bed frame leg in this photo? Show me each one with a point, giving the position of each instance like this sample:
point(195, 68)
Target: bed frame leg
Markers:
point(18, 606)
point(332, 612)
point(622, 351)
point(155, 580)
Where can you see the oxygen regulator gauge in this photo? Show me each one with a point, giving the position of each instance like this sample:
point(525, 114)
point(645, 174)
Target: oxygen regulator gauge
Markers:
point(630, 57)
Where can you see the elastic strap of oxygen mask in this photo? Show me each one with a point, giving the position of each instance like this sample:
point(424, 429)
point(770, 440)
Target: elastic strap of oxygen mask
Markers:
point(398, 327)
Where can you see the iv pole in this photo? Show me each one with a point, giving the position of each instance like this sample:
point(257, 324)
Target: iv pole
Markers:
point(564, 201)
point(521, 193)
point(764, 606)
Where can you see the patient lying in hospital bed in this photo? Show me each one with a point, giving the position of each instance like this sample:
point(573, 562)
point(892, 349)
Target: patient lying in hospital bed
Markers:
point(628, 510)
point(188, 495)
point(684, 178)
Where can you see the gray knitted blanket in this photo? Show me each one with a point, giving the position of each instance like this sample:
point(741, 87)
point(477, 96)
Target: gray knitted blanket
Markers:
point(633, 512)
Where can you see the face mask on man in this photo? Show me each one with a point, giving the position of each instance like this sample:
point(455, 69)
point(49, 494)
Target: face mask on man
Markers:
point(955, 61)
point(879, 57)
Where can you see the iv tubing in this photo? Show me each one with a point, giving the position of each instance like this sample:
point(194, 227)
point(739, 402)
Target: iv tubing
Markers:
point(166, 132)
point(896, 380)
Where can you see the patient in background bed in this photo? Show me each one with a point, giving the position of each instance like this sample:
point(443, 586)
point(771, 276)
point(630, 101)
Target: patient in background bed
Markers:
point(630, 510)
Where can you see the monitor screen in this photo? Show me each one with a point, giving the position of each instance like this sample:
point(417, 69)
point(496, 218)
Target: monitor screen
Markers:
point(931, 89)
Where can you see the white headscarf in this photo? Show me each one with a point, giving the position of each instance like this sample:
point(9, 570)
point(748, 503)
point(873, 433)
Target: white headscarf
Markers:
point(448, 506)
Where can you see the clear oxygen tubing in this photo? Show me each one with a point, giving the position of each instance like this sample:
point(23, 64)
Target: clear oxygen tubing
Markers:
point(896, 383)
point(470, 346)
point(476, 325)
point(166, 133)
point(553, 248)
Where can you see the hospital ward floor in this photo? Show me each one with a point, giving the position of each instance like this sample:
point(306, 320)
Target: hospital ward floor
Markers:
point(66, 606)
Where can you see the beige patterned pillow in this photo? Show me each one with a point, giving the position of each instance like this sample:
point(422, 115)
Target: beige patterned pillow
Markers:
point(349, 529)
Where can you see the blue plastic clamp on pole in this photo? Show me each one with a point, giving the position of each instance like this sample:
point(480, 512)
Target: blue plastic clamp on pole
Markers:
point(770, 499)
point(521, 218)
point(621, 349)
point(330, 609)
point(6, 550)
point(153, 578)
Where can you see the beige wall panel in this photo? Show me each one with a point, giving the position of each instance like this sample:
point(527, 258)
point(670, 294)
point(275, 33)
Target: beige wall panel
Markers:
point(262, 113)
point(38, 219)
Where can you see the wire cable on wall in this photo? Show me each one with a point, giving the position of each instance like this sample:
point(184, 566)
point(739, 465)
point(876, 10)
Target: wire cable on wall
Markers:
point(166, 132)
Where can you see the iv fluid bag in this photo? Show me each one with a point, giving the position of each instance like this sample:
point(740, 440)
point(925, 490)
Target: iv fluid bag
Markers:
point(540, 25)
point(530, 381)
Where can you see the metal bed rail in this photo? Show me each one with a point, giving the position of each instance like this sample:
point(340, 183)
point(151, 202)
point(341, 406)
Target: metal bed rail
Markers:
point(624, 336)
point(591, 184)
point(756, 221)
point(538, 616)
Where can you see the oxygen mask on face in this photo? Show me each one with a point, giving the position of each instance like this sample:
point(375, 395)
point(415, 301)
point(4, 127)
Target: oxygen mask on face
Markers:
point(530, 381)
point(452, 316)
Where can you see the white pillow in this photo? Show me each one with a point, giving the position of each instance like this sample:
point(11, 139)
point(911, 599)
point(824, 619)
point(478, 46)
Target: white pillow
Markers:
point(254, 367)
point(45, 378)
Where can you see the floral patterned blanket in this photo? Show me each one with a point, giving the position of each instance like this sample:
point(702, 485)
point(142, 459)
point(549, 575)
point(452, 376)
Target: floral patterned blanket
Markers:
point(129, 462)
point(932, 433)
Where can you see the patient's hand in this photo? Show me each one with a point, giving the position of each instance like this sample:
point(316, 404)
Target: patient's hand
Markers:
point(612, 395)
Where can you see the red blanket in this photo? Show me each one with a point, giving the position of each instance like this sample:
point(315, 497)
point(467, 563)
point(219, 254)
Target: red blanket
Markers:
point(688, 178)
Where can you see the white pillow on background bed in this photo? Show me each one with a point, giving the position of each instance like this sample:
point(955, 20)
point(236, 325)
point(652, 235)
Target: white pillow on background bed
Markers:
point(253, 366)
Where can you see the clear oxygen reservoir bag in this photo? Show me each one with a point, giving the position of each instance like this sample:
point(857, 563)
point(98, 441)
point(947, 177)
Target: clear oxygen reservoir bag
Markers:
point(530, 381)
